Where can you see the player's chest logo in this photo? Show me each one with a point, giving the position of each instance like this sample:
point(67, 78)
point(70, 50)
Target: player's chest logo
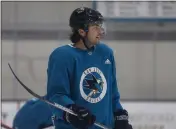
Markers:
point(93, 85)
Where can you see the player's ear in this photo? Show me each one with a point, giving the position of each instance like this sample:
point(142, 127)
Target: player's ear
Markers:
point(82, 32)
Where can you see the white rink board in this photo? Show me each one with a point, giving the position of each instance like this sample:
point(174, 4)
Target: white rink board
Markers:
point(152, 115)
point(143, 115)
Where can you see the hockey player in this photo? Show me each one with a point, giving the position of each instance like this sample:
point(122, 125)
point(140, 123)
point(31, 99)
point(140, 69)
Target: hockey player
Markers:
point(82, 77)
point(34, 114)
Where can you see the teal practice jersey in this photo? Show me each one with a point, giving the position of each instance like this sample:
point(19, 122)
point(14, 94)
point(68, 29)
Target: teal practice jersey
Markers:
point(86, 78)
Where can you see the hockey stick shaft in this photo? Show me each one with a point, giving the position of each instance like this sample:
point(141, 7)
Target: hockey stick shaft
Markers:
point(5, 126)
point(48, 102)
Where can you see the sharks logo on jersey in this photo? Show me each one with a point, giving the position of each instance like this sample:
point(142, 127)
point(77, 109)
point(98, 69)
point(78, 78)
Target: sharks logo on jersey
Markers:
point(93, 85)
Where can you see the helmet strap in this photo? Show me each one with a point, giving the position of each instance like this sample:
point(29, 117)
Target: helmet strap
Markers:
point(85, 39)
point(86, 42)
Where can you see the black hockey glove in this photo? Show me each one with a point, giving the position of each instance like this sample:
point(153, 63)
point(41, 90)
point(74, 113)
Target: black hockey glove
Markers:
point(84, 119)
point(121, 120)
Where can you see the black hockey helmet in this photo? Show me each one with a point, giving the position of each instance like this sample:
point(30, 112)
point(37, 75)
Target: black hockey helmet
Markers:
point(84, 16)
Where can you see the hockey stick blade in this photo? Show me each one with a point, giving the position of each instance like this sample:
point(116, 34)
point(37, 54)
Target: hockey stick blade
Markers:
point(48, 102)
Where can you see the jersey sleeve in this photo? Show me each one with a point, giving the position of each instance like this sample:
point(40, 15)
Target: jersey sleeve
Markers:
point(115, 91)
point(58, 85)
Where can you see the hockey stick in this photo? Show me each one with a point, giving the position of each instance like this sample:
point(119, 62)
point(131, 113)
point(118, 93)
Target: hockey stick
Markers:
point(5, 126)
point(48, 102)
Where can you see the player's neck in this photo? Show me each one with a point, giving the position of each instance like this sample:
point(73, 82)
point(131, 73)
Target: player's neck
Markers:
point(80, 45)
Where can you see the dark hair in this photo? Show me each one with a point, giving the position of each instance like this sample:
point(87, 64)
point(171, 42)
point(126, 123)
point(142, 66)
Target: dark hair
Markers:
point(75, 37)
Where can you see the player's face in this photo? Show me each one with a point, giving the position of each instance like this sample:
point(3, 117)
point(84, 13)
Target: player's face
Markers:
point(94, 33)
